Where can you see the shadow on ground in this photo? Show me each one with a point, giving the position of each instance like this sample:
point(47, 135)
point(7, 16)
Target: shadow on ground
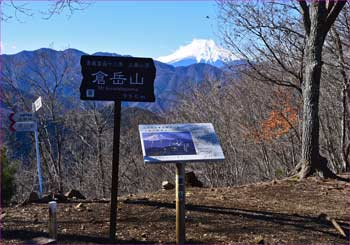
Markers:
point(28, 236)
point(280, 219)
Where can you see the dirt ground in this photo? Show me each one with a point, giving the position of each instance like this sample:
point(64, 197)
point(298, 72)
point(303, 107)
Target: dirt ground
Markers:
point(286, 211)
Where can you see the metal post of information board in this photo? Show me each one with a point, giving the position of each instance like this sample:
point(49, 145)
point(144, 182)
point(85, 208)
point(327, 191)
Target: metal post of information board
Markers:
point(115, 170)
point(180, 203)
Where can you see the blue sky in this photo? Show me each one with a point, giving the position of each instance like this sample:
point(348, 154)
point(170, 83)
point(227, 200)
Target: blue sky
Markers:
point(138, 28)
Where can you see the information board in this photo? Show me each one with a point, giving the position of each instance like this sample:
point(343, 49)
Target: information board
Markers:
point(179, 143)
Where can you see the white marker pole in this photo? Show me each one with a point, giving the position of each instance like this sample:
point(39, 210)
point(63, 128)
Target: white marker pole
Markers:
point(38, 162)
point(34, 109)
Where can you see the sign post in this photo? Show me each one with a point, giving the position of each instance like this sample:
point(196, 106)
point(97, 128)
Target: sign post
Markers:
point(115, 169)
point(180, 143)
point(26, 122)
point(180, 203)
point(117, 79)
point(36, 133)
point(35, 107)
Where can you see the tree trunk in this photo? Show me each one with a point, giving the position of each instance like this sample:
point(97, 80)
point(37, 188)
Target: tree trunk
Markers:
point(311, 91)
point(344, 157)
point(344, 98)
point(311, 161)
point(100, 163)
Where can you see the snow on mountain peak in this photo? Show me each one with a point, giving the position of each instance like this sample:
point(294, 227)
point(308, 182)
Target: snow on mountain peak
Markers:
point(200, 50)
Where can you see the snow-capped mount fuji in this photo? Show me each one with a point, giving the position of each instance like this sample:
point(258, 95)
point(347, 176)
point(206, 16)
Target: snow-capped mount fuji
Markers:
point(199, 51)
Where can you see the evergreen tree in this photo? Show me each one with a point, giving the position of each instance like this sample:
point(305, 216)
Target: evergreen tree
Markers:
point(8, 171)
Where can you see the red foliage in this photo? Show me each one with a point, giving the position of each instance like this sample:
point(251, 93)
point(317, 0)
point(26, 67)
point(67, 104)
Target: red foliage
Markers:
point(280, 120)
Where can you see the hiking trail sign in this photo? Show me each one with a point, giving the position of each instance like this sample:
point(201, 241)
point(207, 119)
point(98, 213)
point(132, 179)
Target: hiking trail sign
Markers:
point(27, 122)
point(37, 104)
point(117, 79)
point(22, 121)
point(123, 78)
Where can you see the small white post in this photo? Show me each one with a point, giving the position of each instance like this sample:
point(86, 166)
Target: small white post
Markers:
point(53, 220)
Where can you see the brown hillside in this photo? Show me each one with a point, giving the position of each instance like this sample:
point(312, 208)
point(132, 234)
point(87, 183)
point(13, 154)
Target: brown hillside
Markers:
point(272, 212)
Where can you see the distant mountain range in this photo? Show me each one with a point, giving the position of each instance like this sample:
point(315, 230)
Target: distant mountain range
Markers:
point(28, 66)
point(44, 66)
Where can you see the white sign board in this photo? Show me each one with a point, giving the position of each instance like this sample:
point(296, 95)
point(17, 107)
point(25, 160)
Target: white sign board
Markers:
point(24, 126)
point(37, 104)
point(179, 143)
point(23, 117)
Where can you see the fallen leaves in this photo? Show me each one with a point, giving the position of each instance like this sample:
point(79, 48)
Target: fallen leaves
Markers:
point(266, 212)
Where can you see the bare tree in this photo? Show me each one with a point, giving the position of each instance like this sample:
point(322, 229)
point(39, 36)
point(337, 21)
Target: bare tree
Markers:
point(257, 128)
point(283, 45)
point(318, 17)
point(95, 137)
point(49, 78)
point(340, 35)
point(268, 36)
point(19, 11)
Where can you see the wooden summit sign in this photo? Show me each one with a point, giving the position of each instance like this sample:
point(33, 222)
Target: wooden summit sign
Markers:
point(117, 78)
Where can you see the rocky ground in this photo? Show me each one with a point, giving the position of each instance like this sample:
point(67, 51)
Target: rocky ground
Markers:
point(284, 211)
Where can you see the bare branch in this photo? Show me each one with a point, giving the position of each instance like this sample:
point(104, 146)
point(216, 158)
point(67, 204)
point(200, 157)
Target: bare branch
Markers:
point(330, 5)
point(333, 14)
point(306, 16)
point(17, 11)
point(59, 6)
